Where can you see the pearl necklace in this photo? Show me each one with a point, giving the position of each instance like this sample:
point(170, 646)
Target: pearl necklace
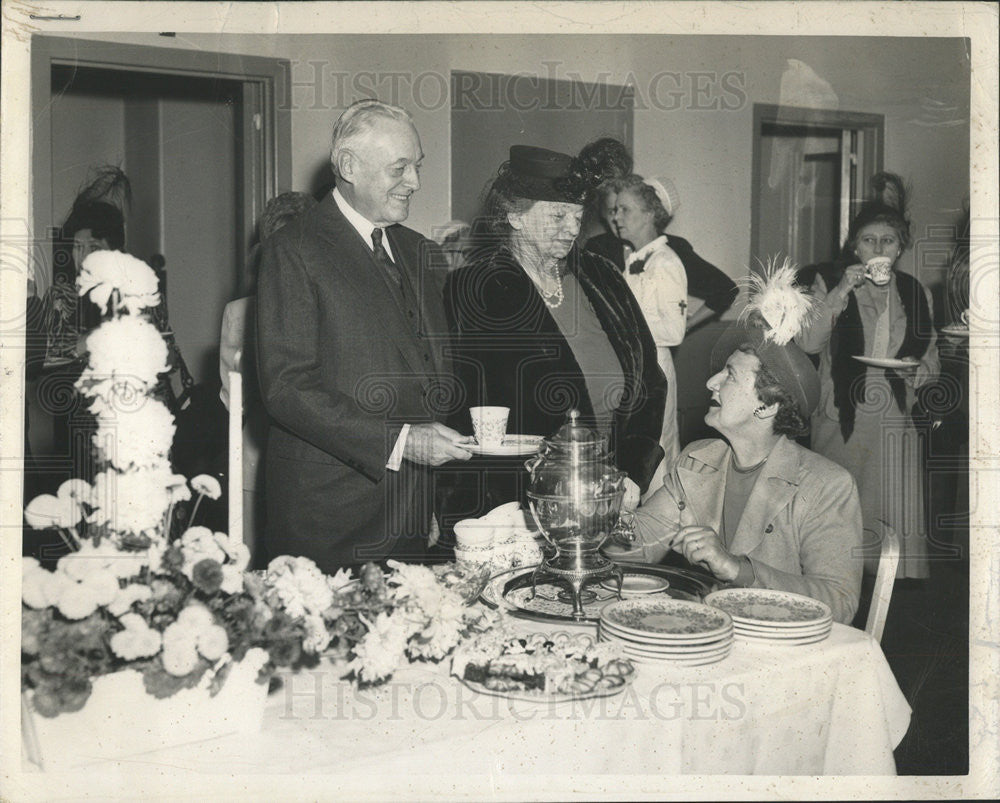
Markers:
point(553, 299)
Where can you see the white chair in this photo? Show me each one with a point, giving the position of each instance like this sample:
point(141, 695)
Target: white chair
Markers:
point(236, 451)
point(885, 578)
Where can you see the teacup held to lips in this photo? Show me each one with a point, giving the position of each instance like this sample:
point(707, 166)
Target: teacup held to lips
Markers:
point(489, 424)
point(879, 270)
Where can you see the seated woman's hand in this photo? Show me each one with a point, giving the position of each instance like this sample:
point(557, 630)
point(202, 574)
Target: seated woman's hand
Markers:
point(702, 546)
point(630, 500)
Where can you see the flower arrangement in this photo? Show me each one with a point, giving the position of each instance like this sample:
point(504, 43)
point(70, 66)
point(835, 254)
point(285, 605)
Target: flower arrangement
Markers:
point(183, 610)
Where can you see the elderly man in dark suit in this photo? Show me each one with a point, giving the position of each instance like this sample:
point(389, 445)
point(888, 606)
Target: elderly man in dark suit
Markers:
point(351, 335)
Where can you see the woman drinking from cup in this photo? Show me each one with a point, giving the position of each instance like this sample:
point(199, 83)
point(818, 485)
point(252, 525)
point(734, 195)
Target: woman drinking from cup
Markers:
point(542, 327)
point(875, 337)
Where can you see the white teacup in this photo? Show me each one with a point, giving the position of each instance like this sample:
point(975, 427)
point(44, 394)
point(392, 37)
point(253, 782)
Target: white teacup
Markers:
point(489, 424)
point(474, 534)
point(964, 317)
point(879, 270)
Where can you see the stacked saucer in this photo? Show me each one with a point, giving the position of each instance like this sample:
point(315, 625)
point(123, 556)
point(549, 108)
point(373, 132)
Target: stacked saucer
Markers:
point(774, 617)
point(661, 629)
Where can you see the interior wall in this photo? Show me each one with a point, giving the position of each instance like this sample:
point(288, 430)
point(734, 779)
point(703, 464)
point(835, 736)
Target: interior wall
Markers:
point(81, 146)
point(693, 118)
point(199, 236)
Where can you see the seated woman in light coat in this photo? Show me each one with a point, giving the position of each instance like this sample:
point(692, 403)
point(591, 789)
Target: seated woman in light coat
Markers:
point(756, 509)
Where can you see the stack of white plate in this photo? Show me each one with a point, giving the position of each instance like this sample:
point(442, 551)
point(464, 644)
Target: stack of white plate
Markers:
point(654, 630)
point(774, 617)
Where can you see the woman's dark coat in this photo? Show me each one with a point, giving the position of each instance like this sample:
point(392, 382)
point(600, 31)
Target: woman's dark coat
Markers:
point(509, 351)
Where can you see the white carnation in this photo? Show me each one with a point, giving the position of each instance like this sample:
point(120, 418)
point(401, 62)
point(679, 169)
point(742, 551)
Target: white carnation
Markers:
point(299, 585)
point(103, 272)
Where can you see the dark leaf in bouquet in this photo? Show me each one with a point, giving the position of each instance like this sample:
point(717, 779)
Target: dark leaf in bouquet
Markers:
point(61, 695)
point(34, 623)
point(173, 558)
point(160, 683)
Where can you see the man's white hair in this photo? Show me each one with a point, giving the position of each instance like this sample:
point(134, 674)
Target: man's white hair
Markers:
point(357, 120)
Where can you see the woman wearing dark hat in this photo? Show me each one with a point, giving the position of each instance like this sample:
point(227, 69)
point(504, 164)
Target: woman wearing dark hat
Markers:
point(757, 509)
point(542, 327)
point(870, 310)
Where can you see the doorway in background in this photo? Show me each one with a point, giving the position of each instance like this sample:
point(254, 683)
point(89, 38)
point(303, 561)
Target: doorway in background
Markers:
point(811, 171)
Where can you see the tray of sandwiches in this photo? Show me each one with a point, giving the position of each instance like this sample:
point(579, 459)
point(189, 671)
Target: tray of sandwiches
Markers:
point(541, 667)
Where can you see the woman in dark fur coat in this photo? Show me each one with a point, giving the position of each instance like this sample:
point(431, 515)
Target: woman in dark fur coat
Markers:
point(542, 327)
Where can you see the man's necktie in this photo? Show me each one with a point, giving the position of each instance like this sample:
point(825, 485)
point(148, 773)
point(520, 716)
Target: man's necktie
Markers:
point(383, 258)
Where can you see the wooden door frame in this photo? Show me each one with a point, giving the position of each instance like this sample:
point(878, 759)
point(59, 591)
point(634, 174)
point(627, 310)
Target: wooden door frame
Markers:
point(266, 163)
point(769, 114)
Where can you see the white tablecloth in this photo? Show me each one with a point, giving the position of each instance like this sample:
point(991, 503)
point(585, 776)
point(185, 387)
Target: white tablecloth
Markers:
point(832, 708)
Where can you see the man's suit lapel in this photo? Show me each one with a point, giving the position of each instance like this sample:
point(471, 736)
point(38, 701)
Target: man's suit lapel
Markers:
point(418, 271)
point(771, 493)
point(356, 264)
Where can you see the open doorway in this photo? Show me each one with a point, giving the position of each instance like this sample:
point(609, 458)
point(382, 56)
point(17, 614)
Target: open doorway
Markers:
point(811, 170)
point(203, 142)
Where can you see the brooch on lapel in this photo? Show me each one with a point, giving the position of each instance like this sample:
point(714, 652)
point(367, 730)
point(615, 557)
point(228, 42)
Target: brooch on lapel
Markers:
point(638, 266)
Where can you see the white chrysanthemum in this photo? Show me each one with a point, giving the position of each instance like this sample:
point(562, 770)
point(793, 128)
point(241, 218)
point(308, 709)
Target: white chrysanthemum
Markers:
point(415, 585)
point(317, 636)
point(340, 579)
point(180, 651)
point(41, 588)
point(47, 510)
point(137, 640)
point(136, 438)
point(198, 544)
point(134, 502)
point(442, 628)
point(208, 485)
point(126, 356)
point(212, 642)
point(128, 596)
point(77, 490)
point(177, 488)
point(299, 586)
point(196, 617)
point(381, 650)
point(103, 272)
point(232, 579)
point(80, 598)
point(237, 552)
